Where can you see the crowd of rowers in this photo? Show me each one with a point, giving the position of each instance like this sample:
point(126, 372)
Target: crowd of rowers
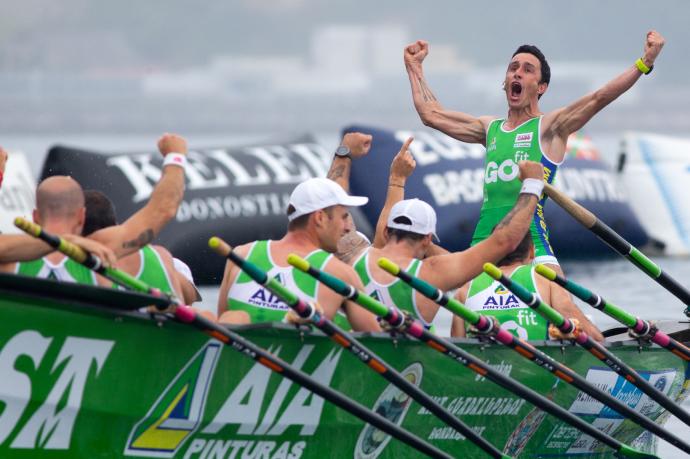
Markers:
point(319, 229)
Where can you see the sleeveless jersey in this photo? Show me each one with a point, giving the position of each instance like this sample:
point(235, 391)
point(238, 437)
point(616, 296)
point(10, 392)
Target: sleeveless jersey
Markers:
point(501, 183)
point(152, 270)
point(67, 270)
point(489, 297)
point(396, 293)
point(260, 303)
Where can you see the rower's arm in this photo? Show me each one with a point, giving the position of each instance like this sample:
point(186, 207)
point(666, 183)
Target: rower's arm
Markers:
point(451, 271)
point(402, 166)
point(142, 227)
point(461, 126)
point(21, 247)
point(562, 122)
point(358, 145)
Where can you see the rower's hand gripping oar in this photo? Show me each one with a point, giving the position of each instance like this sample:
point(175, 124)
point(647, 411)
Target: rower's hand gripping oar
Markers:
point(307, 311)
point(415, 328)
point(89, 260)
point(190, 316)
point(639, 327)
point(620, 245)
point(567, 327)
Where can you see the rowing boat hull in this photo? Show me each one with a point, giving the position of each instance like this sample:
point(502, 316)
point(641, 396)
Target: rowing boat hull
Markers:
point(83, 380)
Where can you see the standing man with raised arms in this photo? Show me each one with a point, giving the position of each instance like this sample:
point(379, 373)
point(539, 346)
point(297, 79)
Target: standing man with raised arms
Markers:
point(525, 134)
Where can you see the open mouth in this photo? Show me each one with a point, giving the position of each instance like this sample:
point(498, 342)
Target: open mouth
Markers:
point(515, 89)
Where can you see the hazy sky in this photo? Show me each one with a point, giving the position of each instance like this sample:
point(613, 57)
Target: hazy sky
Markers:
point(42, 34)
point(52, 54)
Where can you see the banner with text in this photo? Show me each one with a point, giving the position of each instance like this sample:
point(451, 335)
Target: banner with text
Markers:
point(239, 194)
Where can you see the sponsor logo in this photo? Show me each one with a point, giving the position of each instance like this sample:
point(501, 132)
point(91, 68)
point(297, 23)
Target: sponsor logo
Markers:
point(264, 298)
point(50, 425)
point(250, 410)
point(526, 137)
point(504, 172)
point(392, 404)
point(177, 412)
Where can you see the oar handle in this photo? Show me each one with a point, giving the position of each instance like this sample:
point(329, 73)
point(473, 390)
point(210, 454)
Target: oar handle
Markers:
point(529, 298)
point(303, 308)
point(92, 262)
point(437, 295)
point(339, 286)
point(584, 216)
point(588, 296)
point(71, 250)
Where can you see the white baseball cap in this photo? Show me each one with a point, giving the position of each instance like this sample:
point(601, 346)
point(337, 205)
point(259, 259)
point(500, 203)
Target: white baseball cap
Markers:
point(319, 193)
point(421, 215)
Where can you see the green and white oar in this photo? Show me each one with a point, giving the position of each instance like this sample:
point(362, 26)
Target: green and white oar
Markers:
point(640, 327)
point(415, 328)
point(188, 315)
point(309, 312)
point(620, 245)
point(600, 352)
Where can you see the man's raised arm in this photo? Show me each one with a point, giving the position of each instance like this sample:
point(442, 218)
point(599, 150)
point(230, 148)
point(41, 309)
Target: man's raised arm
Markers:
point(458, 125)
point(142, 227)
point(455, 269)
point(560, 123)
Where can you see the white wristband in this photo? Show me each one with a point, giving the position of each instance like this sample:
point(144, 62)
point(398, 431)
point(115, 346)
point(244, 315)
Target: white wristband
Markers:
point(175, 159)
point(532, 186)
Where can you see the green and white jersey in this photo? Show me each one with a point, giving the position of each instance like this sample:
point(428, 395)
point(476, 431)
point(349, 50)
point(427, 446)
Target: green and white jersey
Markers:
point(489, 297)
point(67, 270)
point(504, 149)
point(152, 270)
point(396, 293)
point(259, 302)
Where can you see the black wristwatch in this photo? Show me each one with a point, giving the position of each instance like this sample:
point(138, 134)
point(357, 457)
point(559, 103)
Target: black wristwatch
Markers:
point(343, 152)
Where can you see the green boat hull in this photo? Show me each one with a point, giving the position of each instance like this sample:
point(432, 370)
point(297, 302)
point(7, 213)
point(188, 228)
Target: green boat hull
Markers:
point(80, 379)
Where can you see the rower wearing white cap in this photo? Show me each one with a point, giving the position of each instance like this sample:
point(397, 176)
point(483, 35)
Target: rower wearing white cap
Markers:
point(318, 217)
point(410, 230)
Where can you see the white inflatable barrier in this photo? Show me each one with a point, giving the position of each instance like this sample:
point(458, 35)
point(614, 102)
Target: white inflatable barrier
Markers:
point(656, 173)
point(17, 195)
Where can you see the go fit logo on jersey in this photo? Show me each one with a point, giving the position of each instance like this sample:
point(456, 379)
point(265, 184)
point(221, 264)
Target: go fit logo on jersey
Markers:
point(508, 170)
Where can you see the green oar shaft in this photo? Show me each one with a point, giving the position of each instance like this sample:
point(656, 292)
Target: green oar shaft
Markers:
point(85, 258)
point(350, 343)
point(601, 353)
point(641, 327)
point(620, 245)
point(415, 328)
point(188, 315)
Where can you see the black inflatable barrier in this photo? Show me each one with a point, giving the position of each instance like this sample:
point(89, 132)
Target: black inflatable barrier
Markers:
point(237, 193)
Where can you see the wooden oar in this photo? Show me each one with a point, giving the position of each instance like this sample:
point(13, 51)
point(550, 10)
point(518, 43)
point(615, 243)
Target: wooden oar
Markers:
point(245, 347)
point(566, 326)
point(620, 245)
point(415, 328)
point(640, 327)
point(307, 311)
point(79, 255)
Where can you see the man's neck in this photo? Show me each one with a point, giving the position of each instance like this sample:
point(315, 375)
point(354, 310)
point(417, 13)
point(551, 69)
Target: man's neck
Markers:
point(400, 249)
point(515, 265)
point(517, 116)
point(301, 238)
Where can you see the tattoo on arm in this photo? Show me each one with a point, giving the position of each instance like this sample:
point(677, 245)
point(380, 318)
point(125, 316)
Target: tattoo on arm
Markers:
point(426, 92)
point(522, 202)
point(140, 241)
point(336, 172)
